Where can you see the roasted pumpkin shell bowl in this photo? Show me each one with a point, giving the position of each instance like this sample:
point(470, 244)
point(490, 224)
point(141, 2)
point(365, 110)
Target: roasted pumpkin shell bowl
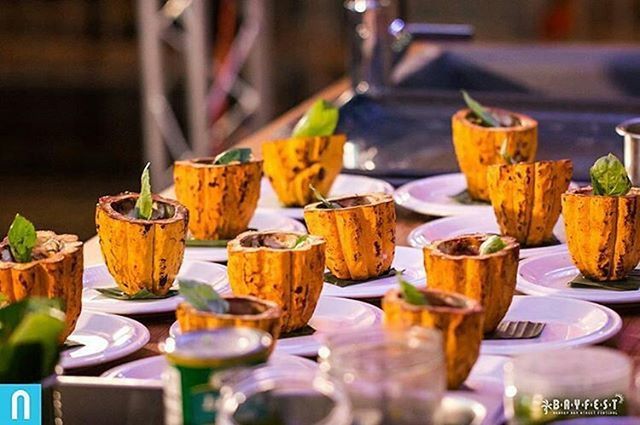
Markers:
point(244, 311)
point(268, 265)
point(458, 318)
point(54, 272)
point(142, 254)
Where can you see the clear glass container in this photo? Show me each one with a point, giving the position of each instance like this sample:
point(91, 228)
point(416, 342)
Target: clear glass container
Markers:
point(391, 376)
point(560, 384)
point(273, 395)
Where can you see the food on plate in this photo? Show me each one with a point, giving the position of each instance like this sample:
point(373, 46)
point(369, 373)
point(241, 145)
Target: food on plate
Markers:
point(284, 267)
point(142, 238)
point(41, 263)
point(480, 266)
point(220, 193)
point(311, 156)
point(204, 309)
point(602, 222)
point(360, 232)
point(526, 198)
point(478, 135)
point(458, 318)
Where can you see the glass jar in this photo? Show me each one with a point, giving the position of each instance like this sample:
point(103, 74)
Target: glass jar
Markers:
point(274, 395)
point(391, 376)
point(559, 384)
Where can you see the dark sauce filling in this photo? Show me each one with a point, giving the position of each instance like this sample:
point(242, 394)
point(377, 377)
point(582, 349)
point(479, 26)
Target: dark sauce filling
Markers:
point(505, 119)
point(241, 306)
point(270, 240)
point(354, 201)
point(461, 246)
point(127, 207)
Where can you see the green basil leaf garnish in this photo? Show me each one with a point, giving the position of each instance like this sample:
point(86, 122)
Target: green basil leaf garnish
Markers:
point(29, 333)
point(494, 243)
point(320, 120)
point(203, 297)
point(144, 294)
point(327, 204)
point(480, 111)
point(240, 155)
point(144, 204)
point(410, 293)
point(301, 240)
point(609, 177)
point(22, 238)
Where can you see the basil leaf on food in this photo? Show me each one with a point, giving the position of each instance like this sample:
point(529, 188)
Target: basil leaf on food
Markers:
point(144, 294)
point(494, 243)
point(480, 111)
point(144, 204)
point(327, 204)
point(22, 238)
point(410, 293)
point(240, 155)
point(301, 240)
point(203, 297)
point(320, 120)
point(609, 177)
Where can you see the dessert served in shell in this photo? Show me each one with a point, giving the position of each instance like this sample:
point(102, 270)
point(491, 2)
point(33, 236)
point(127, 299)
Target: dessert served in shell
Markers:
point(479, 133)
point(220, 193)
point(41, 263)
point(311, 156)
point(360, 233)
point(142, 238)
point(286, 268)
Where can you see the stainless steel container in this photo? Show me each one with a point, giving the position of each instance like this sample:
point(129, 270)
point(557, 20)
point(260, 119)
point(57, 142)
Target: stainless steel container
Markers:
point(630, 130)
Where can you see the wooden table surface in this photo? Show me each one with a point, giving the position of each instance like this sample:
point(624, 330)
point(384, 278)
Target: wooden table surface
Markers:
point(627, 340)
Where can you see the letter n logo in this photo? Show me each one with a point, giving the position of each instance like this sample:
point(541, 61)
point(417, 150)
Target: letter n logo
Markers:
point(20, 404)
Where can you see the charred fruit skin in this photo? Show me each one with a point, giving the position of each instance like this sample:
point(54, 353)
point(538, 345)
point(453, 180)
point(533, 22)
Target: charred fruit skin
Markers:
point(360, 239)
point(478, 147)
point(58, 276)
point(603, 232)
point(461, 329)
point(141, 254)
point(293, 164)
point(526, 198)
point(488, 279)
point(292, 278)
point(221, 199)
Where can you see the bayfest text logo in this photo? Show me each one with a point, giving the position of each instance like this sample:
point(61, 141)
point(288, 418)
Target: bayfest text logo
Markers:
point(592, 407)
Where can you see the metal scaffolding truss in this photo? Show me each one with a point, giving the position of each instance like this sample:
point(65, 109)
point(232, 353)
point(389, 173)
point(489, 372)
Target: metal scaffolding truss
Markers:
point(183, 26)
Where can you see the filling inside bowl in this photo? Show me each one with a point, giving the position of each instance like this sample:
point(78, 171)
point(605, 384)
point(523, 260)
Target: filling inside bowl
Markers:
point(353, 201)
point(461, 246)
point(505, 119)
point(443, 300)
point(274, 241)
point(240, 306)
point(127, 207)
point(47, 244)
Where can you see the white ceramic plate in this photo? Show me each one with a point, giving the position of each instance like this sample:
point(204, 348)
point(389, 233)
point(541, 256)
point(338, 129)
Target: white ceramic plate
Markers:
point(433, 196)
point(345, 184)
point(105, 337)
point(408, 259)
point(487, 375)
point(151, 368)
point(331, 315)
point(480, 223)
point(569, 323)
point(549, 274)
point(98, 276)
point(262, 220)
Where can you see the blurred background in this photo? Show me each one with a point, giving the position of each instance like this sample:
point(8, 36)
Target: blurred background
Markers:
point(70, 80)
